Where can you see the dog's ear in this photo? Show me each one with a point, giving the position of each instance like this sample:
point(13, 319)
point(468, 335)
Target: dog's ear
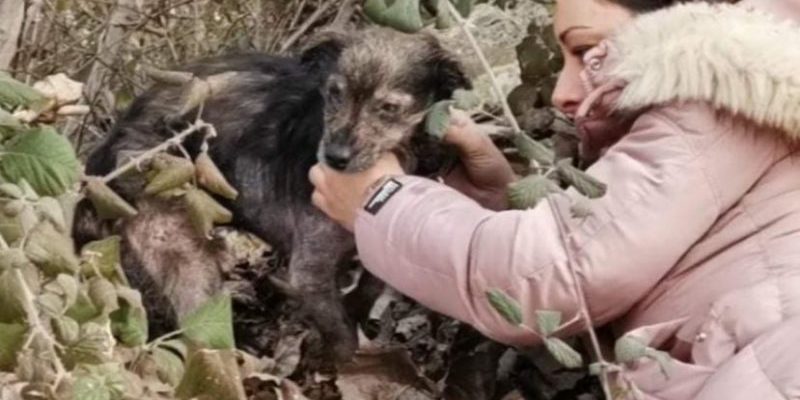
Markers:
point(447, 73)
point(322, 51)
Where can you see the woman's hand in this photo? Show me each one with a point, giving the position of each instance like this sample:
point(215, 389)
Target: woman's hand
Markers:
point(340, 195)
point(483, 174)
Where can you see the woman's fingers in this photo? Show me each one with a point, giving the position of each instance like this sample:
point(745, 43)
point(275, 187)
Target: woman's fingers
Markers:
point(463, 133)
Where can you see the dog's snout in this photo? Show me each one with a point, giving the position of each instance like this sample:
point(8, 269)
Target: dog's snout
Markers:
point(337, 156)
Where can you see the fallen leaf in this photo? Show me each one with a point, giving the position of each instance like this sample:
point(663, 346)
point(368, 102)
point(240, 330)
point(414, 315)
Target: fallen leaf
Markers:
point(383, 374)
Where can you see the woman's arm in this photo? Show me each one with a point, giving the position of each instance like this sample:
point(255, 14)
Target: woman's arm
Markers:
point(669, 180)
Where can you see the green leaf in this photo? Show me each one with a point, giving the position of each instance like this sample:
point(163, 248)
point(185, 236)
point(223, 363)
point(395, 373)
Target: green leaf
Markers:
point(49, 209)
point(12, 337)
point(83, 310)
point(527, 193)
point(174, 172)
point(437, 121)
point(564, 354)
point(12, 297)
point(66, 329)
point(211, 178)
point(533, 150)
point(581, 208)
point(169, 366)
point(43, 158)
point(444, 18)
point(108, 204)
point(205, 211)
point(374, 9)
point(211, 325)
point(9, 125)
point(99, 382)
point(583, 182)
point(505, 306)
point(69, 288)
point(595, 368)
point(464, 7)
point(103, 257)
point(54, 252)
point(13, 258)
point(129, 322)
point(14, 93)
point(103, 295)
point(94, 346)
point(466, 99)
point(11, 190)
point(403, 15)
point(628, 349)
point(211, 374)
point(548, 321)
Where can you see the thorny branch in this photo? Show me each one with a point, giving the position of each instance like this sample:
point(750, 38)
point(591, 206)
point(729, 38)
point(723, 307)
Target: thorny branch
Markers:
point(509, 115)
point(176, 140)
point(581, 297)
point(37, 327)
point(318, 13)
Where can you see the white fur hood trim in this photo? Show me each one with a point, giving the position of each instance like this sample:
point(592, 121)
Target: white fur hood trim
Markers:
point(740, 60)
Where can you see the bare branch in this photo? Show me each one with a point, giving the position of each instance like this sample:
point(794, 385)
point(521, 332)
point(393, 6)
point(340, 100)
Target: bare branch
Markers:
point(312, 19)
point(174, 141)
point(509, 115)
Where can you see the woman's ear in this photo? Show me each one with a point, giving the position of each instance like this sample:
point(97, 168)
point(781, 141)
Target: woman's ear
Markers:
point(322, 51)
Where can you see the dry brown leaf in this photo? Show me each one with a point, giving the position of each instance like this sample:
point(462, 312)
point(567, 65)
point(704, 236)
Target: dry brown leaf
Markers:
point(60, 88)
point(210, 177)
point(383, 374)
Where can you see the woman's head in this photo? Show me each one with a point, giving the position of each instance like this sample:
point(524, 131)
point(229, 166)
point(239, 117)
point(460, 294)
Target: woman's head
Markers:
point(580, 25)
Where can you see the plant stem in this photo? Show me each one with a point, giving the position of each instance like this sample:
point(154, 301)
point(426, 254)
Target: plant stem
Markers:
point(174, 141)
point(37, 327)
point(581, 297)
point(488, 67)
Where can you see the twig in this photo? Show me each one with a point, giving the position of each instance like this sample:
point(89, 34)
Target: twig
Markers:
point(488, 67)
point(297, 14)
point(176, 140)
point(313, 18)
point(37, 327)
point(346, 11)
point(582, 304)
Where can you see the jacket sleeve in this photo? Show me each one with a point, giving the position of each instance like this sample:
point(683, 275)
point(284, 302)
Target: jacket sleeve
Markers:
point(668, 181)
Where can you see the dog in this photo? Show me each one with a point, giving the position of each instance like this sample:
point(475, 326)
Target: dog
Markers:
point(344, 100)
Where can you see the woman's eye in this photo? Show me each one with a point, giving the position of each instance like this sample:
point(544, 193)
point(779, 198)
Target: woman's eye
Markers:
point(581, 51)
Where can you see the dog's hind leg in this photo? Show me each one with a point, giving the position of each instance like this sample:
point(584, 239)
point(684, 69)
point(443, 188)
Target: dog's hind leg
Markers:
point(176, 269)
point(320, 247)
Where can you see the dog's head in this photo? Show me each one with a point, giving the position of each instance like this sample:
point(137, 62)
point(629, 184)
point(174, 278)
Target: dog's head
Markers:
point(377, 87)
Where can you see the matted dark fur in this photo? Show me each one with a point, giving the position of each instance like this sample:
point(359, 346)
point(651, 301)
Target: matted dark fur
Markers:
point(345, 100)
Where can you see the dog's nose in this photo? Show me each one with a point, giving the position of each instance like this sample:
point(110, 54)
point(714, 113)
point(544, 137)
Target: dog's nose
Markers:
point(337, 156)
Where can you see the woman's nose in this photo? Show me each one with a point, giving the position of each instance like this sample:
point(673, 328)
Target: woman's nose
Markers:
point(569, 92)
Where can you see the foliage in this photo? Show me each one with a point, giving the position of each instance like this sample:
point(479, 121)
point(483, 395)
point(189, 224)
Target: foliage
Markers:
point(70, 326)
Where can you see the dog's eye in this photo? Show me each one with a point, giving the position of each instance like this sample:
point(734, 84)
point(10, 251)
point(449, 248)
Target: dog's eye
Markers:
point(390, 108)
point(334, 93)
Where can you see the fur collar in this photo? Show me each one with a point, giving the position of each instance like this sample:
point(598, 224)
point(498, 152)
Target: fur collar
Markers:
point(742, 61)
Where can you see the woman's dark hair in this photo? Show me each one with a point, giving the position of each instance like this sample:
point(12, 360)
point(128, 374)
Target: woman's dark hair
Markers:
point(643, 6)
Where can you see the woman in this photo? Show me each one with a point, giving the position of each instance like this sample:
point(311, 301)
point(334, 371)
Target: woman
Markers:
point(691, 112)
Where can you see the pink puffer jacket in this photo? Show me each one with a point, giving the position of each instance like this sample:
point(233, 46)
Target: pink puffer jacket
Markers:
point(695, 249)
